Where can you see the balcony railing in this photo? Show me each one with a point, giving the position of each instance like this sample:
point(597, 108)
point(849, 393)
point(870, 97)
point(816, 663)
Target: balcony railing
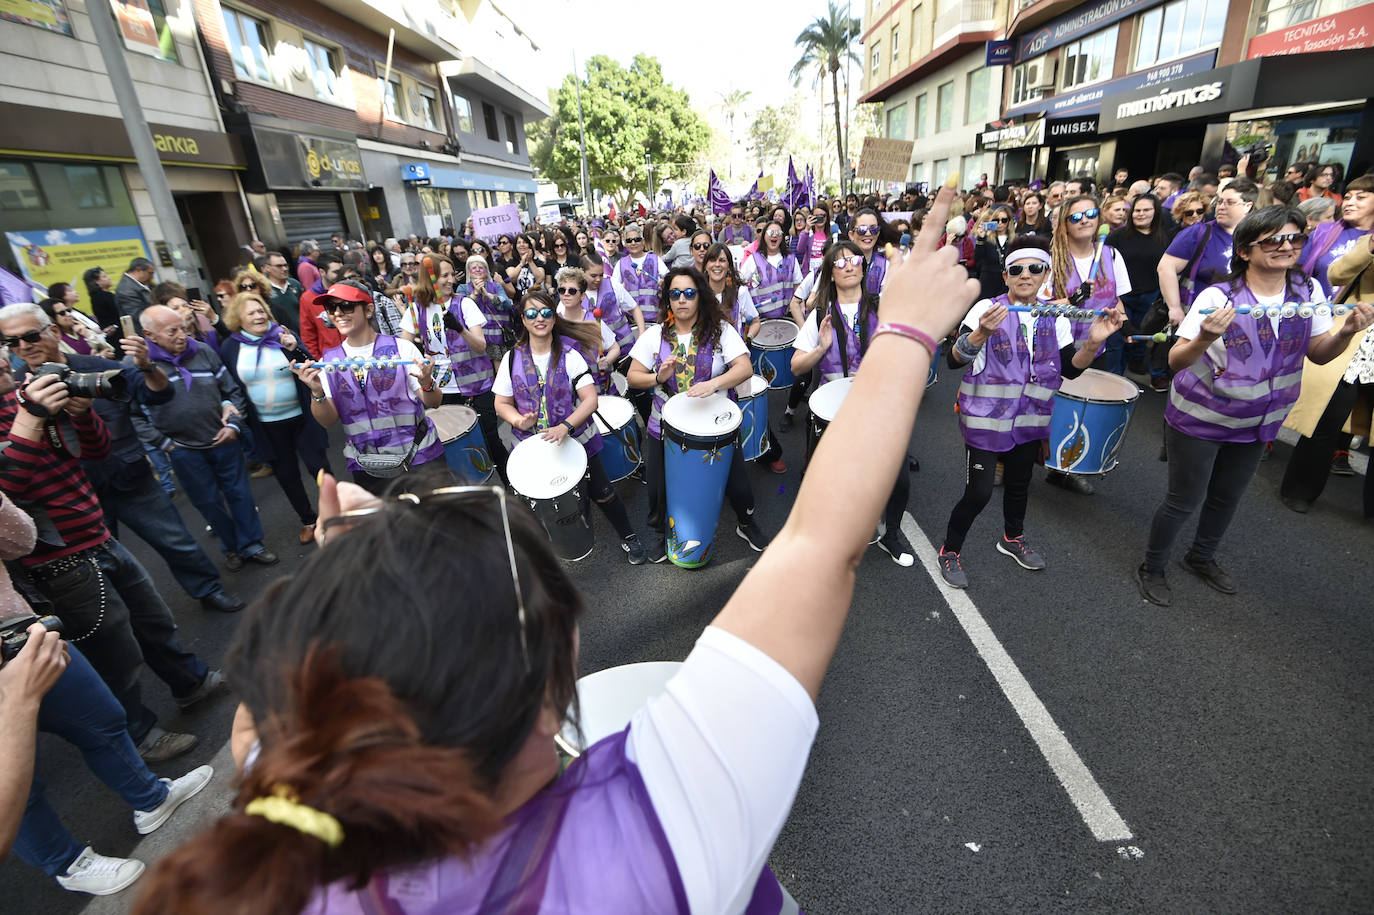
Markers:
point(962, 14)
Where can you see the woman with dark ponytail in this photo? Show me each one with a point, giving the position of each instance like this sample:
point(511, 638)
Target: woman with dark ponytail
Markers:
point(544, 385)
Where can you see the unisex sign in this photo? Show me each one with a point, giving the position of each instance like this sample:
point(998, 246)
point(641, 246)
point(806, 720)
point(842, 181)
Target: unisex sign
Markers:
point(1077, 23)
point(885, 160)
point(1060, 131)
point(494, 221)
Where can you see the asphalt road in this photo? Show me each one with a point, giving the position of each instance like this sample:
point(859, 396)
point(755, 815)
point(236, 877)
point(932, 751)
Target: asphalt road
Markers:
point(1229, 736)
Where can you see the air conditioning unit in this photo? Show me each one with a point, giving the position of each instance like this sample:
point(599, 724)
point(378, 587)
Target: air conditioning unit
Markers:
point(1040, 74)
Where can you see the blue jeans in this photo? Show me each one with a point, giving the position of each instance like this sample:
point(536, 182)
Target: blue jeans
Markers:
point(162, 468)
point(216, 482)
point(147, 511)
point(1138, 305)
point(82, 711)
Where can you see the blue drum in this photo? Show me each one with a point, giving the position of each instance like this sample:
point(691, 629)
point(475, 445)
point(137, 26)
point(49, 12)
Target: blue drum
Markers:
point(935, 366)
point(1091, 415)
point(465, 449)
point(771, 352)
point(753, 431)
point(615, 420)
point(698, 444)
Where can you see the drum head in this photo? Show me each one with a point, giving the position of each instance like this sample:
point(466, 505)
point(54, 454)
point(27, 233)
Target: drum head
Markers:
point(619, 383)
point(825, 400)
point(776, 334)
point(609, 698)
point(752, 388)
point(543, 470)
point(452, 421)
point(615, 410)
point(1097, 386)
point(704, 417)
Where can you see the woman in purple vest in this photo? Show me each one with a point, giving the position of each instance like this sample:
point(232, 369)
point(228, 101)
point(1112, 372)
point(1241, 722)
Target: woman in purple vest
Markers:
point(382, 408)
point(1015, 364)
point(598, 346)
point(866, 230)
point(1237, 378)
point(771, 274)
point(406, 762)
point(490, 297)
point(1089, 273)
point(698, 352)
point(615, 303)
point(556, 397)
point(1332, 240)
point(638, 274)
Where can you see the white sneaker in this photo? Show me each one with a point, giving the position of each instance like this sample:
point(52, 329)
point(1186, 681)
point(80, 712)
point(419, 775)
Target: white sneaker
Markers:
point(179, 791)
point(100, 875)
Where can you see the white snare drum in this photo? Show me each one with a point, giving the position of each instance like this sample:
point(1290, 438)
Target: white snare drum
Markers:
point(549, 477)
point(825, 401)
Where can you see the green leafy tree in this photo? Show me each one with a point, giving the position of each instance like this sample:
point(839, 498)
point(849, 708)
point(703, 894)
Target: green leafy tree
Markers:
point(772, 135)
point(826, 45)
point(628, 112)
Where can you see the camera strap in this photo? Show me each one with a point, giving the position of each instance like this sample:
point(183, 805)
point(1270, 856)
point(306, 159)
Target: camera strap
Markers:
point(62, 436)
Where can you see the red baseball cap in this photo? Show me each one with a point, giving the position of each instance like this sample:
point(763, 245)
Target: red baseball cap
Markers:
point(345, 292)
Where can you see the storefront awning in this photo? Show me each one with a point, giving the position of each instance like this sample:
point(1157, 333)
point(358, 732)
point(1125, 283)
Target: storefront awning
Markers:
point(458, 179)
point(48, 132)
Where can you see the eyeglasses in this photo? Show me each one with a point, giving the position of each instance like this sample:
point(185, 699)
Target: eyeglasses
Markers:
point(1193, 212)
point(866, 231)
point(633, 239)
point(534, 314)
point(688, 294)
point(282, 264)
point(1081, 215)
point(58, 314)
point(1034, 269)
point(1275, 242)
point(340, 305)
point(559, 244)
point(457, 493)
point(569, 290)
point(410, 263)
point(701, 246)
point(503, 241)
point(1224, 202)
point(248, 287)
point(1002, 219)
point(849, 260)
point(32, 336)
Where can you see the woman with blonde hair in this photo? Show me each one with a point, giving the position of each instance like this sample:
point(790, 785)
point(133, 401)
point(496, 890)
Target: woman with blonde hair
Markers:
point(1190, 209)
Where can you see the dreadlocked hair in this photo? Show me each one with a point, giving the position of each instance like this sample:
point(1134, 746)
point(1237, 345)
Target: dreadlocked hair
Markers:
point(1059, 248)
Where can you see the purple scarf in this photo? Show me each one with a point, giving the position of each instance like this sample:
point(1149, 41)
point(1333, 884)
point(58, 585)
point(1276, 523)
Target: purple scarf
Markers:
point(161, 355)
point(272, 338)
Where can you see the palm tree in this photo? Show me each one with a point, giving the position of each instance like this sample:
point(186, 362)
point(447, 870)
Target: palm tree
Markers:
point(730, 103)
point(827, 45)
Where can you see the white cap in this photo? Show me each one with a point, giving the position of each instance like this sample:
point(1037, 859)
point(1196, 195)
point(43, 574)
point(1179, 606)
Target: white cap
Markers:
point(956, 226)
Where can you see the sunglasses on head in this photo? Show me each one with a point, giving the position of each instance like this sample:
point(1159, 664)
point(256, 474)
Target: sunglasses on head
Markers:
point(701, 246)
point(340, 305)
point(866, 231)
point(32, 336)
point(534, 314)
point(688, 294)
point(1275, 242)
point(1035, 269)
point(849, 260)
point(569, 290)
point(1081, 215)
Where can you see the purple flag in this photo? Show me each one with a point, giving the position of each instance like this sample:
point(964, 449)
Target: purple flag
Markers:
point(793, 195)
point(14, 290)
point(720, 201)
point(754, 191)
point(810, 185)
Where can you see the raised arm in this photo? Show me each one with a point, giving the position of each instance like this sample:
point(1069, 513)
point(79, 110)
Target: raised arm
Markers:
point(851, 473)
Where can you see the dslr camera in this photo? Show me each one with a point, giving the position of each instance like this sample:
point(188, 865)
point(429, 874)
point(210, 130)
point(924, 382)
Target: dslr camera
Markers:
point(14, 633)
point(107, 385)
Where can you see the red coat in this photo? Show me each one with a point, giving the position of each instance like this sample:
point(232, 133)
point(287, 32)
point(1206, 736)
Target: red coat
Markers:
point(315, 336)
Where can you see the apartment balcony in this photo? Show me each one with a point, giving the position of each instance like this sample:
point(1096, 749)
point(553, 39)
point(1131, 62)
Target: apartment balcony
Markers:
point(964, 16)
point(421, 25)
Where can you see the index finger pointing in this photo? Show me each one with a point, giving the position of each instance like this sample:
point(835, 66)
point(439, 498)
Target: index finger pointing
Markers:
point(937, 216)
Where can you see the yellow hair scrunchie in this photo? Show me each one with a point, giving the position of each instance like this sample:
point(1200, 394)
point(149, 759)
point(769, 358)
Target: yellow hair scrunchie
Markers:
point(282, 807)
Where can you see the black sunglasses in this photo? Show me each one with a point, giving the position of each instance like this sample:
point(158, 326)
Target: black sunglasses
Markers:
point(569, 290)
point(248, 287)
point(32, 336)
point(1275, 242)
point(340, 305)
point(701, 246)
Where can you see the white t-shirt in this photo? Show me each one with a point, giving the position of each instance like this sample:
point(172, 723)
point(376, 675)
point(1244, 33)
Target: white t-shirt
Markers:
point(404, 350)
point(575, 364)
point(803, 291)
point(722, 753)
point(1063, 330)
point(1215, 297)
point(749, 270)
point(607, 338)
point(809, 336)
point(744, 303)
point(730, 348)
point(1119, 274)
point(435, 341)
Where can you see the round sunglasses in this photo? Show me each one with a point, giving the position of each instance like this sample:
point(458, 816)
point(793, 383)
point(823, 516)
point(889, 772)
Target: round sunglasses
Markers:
point(688, 294)
point(1081, 215)
point(534, 314)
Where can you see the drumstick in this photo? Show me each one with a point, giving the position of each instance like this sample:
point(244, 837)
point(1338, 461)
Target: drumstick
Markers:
point(1288, 310)
point(1160, 337)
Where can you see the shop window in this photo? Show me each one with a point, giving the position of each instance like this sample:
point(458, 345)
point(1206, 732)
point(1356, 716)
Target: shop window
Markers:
point(976, 96)
point(922, 109)
point(489, 116)
point(896, 122)
point(143, 25)
point(462, 111)
point(18, 188)
point(87, 183)
point(323, 64)
point(1028, 78)
point(248, 43)
point(1090, 59)
point(1178, 29)
point(512, 137)
point(944, 107)
point(1278, 14)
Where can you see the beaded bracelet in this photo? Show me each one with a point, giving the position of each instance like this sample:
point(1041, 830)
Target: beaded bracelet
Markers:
point(911, 333)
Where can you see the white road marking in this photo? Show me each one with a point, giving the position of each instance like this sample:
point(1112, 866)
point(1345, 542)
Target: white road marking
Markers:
point(1092, 803)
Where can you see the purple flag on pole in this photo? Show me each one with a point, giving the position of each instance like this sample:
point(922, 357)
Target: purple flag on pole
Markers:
point(14, 290)
point(810, 184)
point(720, 201)
point(794, 189)
point(754, 191)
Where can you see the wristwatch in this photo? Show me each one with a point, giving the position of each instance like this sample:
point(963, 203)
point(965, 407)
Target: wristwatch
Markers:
point(571, 430)
point(320, 399)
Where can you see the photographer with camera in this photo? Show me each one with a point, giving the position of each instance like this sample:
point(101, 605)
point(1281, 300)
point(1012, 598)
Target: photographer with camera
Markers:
point(101, 590)
point(129, 493)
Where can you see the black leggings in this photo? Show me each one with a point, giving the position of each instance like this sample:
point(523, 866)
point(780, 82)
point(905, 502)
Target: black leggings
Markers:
point(1310, 465)
point(485, 405)
point(603, 493)
point(798, 392)
point(738, 492)
point(285, 438)
point(1017, 464)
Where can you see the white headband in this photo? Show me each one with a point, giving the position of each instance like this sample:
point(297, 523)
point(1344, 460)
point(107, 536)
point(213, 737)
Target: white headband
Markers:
point(1029, 254)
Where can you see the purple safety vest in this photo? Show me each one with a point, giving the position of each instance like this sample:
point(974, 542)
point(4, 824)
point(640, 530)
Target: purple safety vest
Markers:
point(1329, 241)
point(589, 353)
point(1010, 400)
point(877, 272)
point(642, 284)
point(1246, 397)
point(496, 307)
point(830, 365)
point(732, 236)
point(773, 292)
point(1104, 289)
point(558, 392)
point(701, 371)
point(381, 417)
point(616, 320)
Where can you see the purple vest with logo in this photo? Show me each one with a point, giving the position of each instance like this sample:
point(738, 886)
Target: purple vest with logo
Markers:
point(1244, 396)
point(877, 272)
point(496, 308)
point(592, 353)
point(558, 392)
point(1009, 401)
point(831, 367)
point(616, 320)
point(1329, 241)
point(701, 371)
point(773, 291)
point(380, 418)
point(642, 284)
point(741, 236)
point(1104, 288)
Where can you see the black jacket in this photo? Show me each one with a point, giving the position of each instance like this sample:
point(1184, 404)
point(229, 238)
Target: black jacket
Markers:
point(987, 266)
